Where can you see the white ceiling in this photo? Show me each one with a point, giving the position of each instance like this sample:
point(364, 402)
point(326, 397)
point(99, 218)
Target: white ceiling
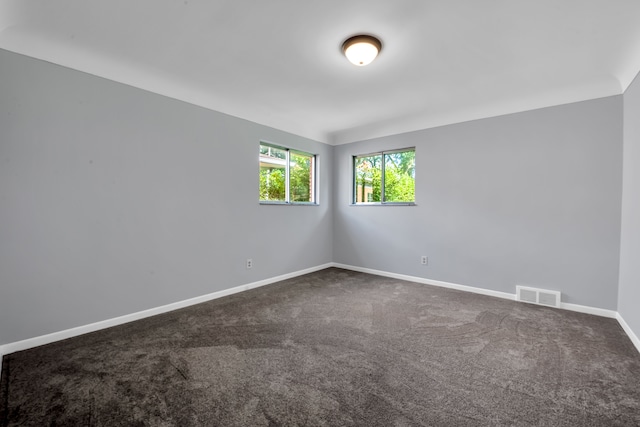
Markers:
point(278, 62)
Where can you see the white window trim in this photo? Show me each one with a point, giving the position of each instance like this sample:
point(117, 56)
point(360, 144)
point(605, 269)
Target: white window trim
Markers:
point(353, 178)
point(314, 177)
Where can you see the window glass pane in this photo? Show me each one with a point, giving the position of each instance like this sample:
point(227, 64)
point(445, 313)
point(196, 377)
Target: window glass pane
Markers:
point(273, 163)
point(286, 175)
point(399, 176)
point(301, 177)
point(368, 178)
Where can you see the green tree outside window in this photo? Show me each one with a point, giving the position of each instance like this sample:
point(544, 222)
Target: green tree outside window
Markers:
point(286, 176)
point(386, 177)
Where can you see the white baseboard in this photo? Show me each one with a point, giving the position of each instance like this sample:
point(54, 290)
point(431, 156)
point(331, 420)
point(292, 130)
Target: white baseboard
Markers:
point(422, 280)
point(602, 312)
point(566, 306)
point(80, 330)
point(632, 336)
point(73, 332)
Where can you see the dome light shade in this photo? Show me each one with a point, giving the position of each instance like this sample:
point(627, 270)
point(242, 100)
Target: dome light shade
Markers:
point(360, 50)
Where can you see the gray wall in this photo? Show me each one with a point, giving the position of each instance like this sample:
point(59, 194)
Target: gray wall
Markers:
point(629, 293)
point(115, 200)
point(532, 198)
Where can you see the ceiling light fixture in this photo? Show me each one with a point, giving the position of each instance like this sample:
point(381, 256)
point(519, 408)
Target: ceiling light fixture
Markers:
point(361, 49)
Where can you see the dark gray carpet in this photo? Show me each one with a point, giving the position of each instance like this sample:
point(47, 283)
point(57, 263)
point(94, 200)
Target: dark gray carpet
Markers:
point(335, 348)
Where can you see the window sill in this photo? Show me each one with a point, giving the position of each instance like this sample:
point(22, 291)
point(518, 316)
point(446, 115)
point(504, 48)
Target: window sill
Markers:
point(287, 204)
point(383, 204)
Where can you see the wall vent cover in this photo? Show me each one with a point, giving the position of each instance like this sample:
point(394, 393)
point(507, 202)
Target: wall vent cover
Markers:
point(538, 296)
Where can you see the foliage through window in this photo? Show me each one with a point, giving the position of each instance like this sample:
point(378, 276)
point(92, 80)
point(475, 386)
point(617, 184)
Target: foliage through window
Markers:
point(385, 177)
point(287, 176)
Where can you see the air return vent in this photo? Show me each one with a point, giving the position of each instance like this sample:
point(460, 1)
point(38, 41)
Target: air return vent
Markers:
point(538, 296)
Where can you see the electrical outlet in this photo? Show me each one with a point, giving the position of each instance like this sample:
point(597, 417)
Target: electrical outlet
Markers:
point(249, 263)
point(424, 260)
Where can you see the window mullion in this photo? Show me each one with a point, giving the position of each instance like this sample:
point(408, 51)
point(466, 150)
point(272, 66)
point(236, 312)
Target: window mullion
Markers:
point(382, 200)
point(287, 197)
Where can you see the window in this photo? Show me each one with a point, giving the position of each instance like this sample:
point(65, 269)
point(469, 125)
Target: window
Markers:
point(386, 177)
point(287, 176)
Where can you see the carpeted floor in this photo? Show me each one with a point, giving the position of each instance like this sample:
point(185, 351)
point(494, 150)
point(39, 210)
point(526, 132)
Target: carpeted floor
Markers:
point(335, 348)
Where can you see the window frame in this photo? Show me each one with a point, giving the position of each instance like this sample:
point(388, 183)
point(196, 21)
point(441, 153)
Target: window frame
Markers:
point(313, 176)
point(354, 184)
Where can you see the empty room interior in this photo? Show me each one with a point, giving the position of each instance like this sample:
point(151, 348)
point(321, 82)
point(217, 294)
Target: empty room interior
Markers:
point(209, 215)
